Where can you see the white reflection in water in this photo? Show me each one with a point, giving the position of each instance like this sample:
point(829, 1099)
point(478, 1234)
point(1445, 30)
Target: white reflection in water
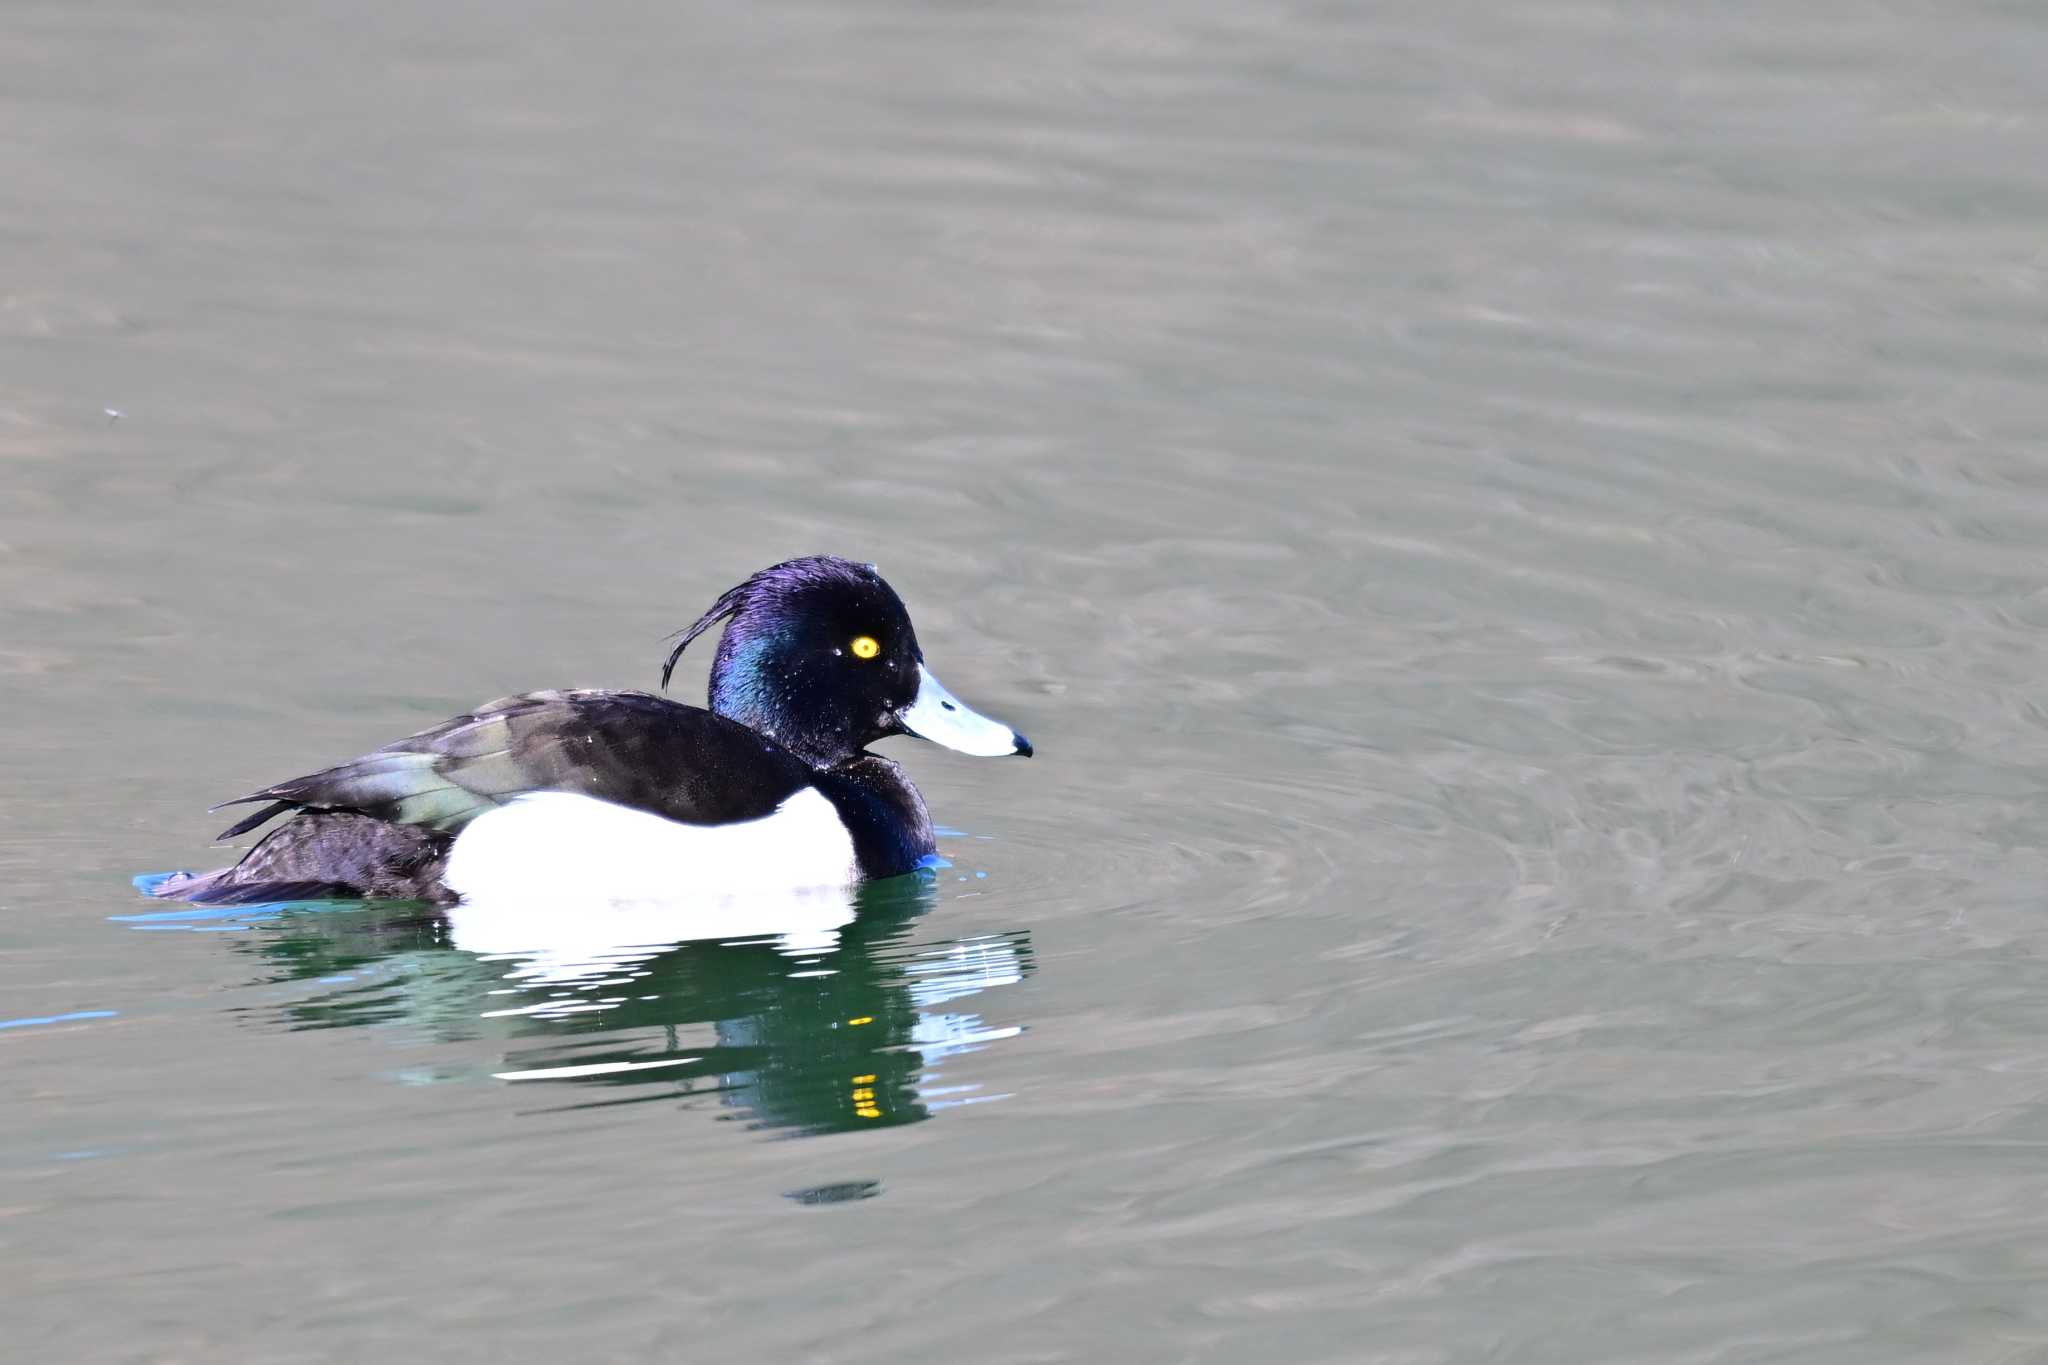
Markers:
point(553, 942)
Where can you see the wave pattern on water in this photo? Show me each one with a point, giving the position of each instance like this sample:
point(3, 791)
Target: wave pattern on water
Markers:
point(1516, 530)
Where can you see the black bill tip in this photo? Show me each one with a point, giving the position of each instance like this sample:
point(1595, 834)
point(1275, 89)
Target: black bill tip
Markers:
point(1023, 745)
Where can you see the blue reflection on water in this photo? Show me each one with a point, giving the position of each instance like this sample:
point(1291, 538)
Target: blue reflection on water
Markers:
point(59, 1018)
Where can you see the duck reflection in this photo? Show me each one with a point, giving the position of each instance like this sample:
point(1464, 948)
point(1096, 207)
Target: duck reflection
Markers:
point(819, 1016)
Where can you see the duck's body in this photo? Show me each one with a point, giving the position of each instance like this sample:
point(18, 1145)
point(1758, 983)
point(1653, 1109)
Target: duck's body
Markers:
point(625, 795)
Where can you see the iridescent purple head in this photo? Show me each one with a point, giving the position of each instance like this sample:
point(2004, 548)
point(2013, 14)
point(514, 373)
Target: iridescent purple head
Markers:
point(819, 655)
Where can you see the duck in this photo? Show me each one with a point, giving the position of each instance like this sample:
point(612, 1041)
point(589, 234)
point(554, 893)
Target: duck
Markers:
point(627, 796)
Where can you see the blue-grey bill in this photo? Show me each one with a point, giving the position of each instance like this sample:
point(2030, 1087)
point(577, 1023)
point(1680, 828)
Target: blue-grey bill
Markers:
point(939, 716)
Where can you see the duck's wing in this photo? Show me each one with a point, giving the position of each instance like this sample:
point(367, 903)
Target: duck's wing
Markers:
point(630, 748)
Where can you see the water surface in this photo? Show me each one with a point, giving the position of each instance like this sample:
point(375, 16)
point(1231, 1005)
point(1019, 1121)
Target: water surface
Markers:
point(1516, 531)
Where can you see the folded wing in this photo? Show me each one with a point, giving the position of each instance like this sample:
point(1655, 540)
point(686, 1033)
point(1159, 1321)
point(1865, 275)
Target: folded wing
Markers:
point(631, 748)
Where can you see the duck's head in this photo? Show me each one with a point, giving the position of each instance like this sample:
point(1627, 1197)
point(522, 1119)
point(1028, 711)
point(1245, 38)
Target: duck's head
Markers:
point(819, 655)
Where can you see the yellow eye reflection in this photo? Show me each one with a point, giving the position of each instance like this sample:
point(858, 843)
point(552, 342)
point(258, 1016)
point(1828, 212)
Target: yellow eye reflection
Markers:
point(865, 647)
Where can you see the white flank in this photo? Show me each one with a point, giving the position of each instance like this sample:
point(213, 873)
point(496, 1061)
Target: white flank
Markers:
point(566, 852)
point(568, 889)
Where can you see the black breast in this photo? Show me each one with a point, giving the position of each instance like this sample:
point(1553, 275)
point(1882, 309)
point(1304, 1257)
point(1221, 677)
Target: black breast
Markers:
point(892, 833)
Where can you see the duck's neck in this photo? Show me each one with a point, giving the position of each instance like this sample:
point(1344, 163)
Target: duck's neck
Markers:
point(892, 831)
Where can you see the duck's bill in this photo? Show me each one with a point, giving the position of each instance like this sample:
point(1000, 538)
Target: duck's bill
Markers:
point(939, 716)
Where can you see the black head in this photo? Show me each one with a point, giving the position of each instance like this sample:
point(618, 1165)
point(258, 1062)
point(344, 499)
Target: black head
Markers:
point(820, 656)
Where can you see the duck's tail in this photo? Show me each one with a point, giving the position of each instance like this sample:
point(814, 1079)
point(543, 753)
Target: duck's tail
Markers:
point(322, 855)
point(220, 887)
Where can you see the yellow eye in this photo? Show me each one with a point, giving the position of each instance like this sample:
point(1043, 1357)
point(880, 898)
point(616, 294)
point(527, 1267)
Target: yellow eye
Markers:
point(864, 647)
